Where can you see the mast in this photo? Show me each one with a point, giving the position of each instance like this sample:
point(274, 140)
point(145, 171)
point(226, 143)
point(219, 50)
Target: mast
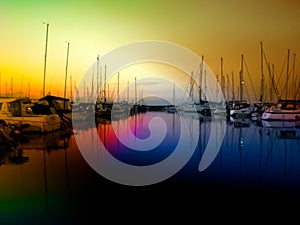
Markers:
point(92, 91)
point(135, 94)
point(294, 81)
point(191, 94)
point(272, 78)
point(233, 93)
point(66, 74)
point(100, 84)
point(205, 87)
point(97, 76)
point(222, 78)
point(200, 82)
point(118, 91)
point(104, 84)
point(45, 60)
point(227, 86)
point(287, 74)
point(262, 84)
point(217, 89)
point(241, 78)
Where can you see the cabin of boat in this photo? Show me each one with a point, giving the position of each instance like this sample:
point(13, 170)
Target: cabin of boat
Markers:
point(51, 104)
point(241, 109)
point(283, 110)
point(18, 111)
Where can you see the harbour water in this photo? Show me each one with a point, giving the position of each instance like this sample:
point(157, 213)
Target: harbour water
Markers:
point(49, 180)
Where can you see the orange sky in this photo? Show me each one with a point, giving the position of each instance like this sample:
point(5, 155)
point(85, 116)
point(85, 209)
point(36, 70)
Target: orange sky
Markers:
point(211, 28)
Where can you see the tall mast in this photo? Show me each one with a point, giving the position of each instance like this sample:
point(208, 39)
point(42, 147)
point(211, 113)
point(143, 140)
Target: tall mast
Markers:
point(118, 87)
point(100, 84)
point(233, 92)
point(262, 84)
point(227, 86)
point(222, 78)
point(66, 74)
point(97, 76)
point(205, 87)
point(293, 78)
point(92, 91)
point(87, 94)
point(135, 94)
point(200, 82)
point(271, 79)
point(191, 94)
point(287, 74)
point(241, 78)
point(104, 84)
point(217, 89)
point(45, 60)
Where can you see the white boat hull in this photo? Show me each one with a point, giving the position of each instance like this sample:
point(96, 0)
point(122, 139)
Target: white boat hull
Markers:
point(289, 115)
point(246, 112)
point(37, 124)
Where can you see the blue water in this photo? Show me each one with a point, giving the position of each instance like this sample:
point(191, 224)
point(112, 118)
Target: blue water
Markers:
point(54, 183)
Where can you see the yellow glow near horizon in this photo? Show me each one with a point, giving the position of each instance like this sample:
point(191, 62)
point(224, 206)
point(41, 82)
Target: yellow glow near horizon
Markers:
point(211, 28)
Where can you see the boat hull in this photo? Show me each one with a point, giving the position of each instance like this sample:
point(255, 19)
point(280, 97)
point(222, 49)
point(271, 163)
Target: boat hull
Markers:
point(36, 124)
point(288, 115)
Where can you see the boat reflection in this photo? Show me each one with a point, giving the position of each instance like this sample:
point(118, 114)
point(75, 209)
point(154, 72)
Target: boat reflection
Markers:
point(12, 156)
point(41, 141)
point(240, 122)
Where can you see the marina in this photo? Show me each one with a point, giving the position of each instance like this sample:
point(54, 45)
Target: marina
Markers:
point(60, 153)
point(149, 110)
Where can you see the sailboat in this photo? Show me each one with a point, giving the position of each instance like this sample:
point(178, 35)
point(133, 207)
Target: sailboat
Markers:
point(103, 106)
point(288, 109)
point(190, 106)
point(18, 111)
point(241, 108)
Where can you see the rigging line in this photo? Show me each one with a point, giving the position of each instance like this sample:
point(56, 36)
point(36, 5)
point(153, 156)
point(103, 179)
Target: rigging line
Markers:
point(286, 83)
point(256, 99)
point(272, 77)
point(185, 91)
point(269, 153)
point(281, 71)
point(247, 93)
point(227, 78)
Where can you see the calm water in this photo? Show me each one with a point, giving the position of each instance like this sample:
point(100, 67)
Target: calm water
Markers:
point(49, 181)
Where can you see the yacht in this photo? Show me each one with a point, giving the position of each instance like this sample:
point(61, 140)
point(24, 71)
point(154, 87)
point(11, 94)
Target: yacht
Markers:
point(288, 110)
point(18, 111)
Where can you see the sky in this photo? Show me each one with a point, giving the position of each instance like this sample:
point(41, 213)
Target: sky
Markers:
point(211, 28)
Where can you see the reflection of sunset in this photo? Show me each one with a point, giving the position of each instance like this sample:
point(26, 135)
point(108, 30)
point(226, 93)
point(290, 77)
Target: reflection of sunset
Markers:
point(138, 126)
